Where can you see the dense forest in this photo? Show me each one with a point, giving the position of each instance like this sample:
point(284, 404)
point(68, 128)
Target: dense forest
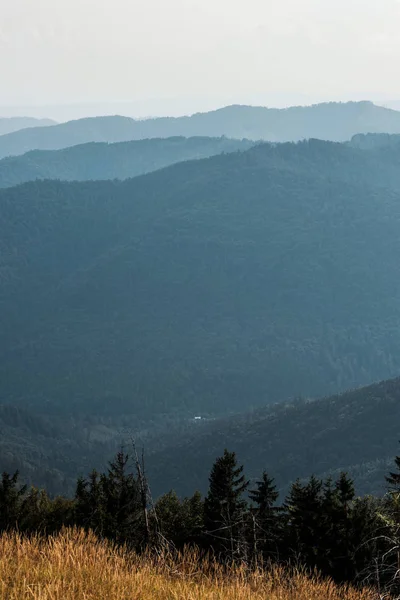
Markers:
point(209, 288)
point(356, 431)
point(111, 161)
point(199, 311)
point(373, 141)
point(328, 121)
point(320, 524)
point(197, 288)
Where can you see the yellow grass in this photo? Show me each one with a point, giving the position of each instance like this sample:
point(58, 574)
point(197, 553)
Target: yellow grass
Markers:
point(75, 566)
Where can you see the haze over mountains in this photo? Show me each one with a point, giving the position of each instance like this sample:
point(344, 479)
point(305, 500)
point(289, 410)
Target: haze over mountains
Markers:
point(256, 273)
point(11, 124)
point(111, 161)
point(330, 121)
point(355, 432)
point(200, 286)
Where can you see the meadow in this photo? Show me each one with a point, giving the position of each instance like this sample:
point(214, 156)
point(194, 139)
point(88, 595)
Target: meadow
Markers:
point(77, 566)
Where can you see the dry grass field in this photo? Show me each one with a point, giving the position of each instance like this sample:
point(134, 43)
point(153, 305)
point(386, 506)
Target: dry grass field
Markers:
point(76, 566)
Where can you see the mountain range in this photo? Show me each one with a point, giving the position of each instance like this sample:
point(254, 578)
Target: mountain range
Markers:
point(329, 121)
point(221, 287)
point(355, 432)
point(111, 161)
point(198, 287)
point(11, 124)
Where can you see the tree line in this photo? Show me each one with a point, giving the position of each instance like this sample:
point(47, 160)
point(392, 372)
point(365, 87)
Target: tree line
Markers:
point(321, 524)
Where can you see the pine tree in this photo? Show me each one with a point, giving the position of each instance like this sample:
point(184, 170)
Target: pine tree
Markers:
point(336, 552)
point(122, 506)
point(11, 496)
point(171, 525)
point(194, 517)
point(34, 513)
point(264, 495)
point(304, 520)
point(345, 491)
point(90, 503)
point(265, 517)
point(224, 507)
point(82, 508)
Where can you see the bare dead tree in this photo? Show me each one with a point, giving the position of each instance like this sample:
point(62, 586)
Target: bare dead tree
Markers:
point(146, 499)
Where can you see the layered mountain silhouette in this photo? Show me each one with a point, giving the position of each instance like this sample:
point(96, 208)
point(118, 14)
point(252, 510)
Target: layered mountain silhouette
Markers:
point(207, 287)
point(372, 141)
point(11, 124)
point(355, 432)
point(111, 161)
point(330, 121)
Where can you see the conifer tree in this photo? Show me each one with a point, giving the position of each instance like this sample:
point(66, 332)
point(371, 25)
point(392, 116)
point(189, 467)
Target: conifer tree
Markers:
point(194, 517)
point(11, 496)
point(170, 518)
point(345, 491)
point(304, 520)
point(224, 506)
point(180, 521)
point(264, 495)
point(90, 503)
point(35, 509)
point(336, 547)
point(265, 516)
point(122, 507)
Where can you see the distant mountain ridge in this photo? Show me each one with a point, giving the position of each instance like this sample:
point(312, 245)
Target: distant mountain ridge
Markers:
point(120, 160)
point(355, 432)
point(330, 121)
point(199, 287)
point(378, 154)
point(211, 287)
point(11, 124)
point(372, 141)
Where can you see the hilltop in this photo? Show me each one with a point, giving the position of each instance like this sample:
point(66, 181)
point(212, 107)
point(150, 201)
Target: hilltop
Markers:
point(11, 124)
point(330, 121)
point(99, 160)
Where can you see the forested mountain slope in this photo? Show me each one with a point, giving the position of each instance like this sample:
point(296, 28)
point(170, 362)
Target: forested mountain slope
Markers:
point(330, 121)
point(11, 124)
point(111, 161)
point(374, 141)
point(208, 287)
point(72, 133)
point(357, 432)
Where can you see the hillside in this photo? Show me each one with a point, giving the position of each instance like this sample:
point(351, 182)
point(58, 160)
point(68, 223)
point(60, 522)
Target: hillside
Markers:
point(199, 287)
point(111, 161)
point(195, 290)
point(356, 431)
point(331, 121)
point(11, 124)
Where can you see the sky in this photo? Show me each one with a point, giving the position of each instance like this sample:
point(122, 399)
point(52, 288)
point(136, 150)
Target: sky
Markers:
point(178, 56)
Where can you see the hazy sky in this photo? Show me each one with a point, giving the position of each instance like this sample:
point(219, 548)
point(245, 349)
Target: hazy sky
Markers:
point(183, 55)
